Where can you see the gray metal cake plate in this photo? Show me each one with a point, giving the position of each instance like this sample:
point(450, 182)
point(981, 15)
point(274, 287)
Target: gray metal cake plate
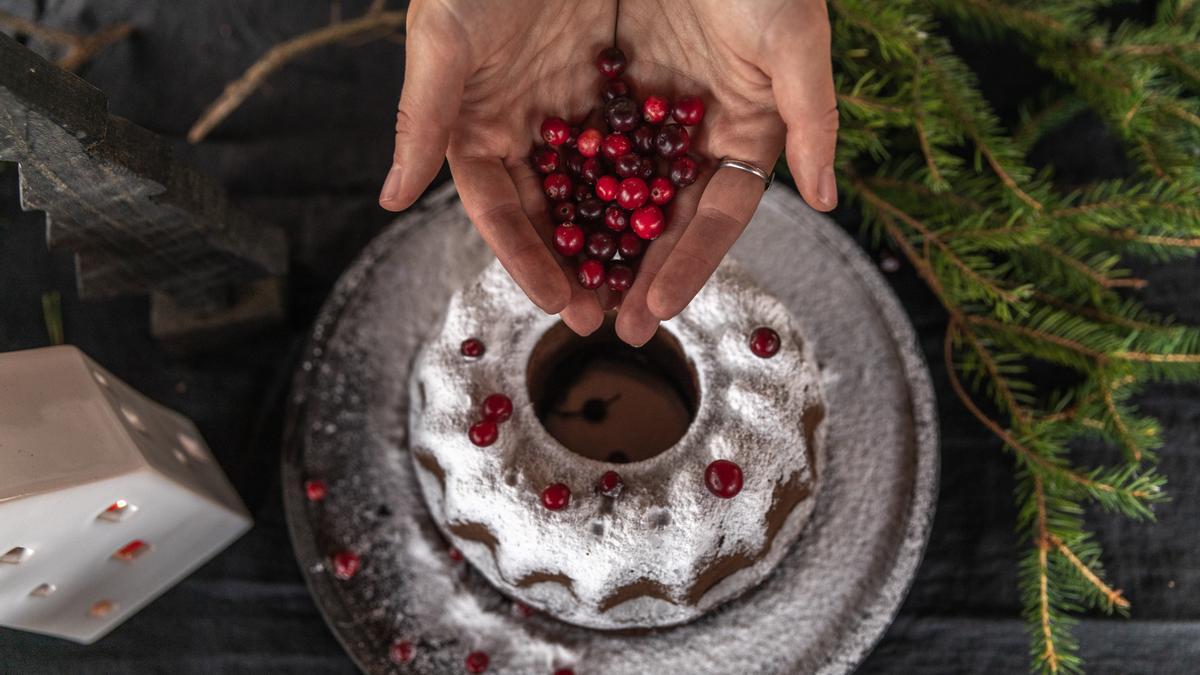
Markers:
point(823, 609)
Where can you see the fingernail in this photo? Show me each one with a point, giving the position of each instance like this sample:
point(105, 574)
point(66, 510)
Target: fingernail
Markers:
point(391, 184)
point(827, 188)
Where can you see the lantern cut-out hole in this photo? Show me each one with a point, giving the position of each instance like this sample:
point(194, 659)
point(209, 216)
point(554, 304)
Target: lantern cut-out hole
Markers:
point(132, 551)
point(134, 419)
point(117, 511)
point(16, 555)
point(192, 447)
point(102, 608)
point(43, 591)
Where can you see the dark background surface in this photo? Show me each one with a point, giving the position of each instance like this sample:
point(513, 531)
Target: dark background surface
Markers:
point(308, 152)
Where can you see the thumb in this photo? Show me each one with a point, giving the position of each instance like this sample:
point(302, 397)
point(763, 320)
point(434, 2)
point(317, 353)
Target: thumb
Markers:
point(434, 72)
point(804, 93)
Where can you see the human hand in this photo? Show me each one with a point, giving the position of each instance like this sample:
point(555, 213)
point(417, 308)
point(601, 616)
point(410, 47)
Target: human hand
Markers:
point(764, 71)
point(479, 79)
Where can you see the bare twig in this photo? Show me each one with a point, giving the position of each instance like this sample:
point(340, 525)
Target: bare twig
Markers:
point(1043, 545)
point(79, 48)
point(378, 24)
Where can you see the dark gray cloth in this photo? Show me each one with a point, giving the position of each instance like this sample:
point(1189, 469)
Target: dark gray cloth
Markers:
point(308, 153)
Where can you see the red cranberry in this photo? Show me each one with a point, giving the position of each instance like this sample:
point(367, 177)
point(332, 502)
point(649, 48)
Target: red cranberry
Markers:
point(607, 188)
point(555, 131)
point(315, 490)
point(591, 170)
point(684, 171)
point(630, 245)
point(497, 407)
point(588, 143)
point(572, 161)
point(568, 239)
point(582, 191)
point(647, 222)
point(614, 88)
point(616, 218)
point(610, 484)
point(563, 211)
point(672, 141)
point(545, 160)
point(628, 165)
point(591, 274)
point(633, 193)
point(648, 168)
point(620, 278)
point(615, 145)
point(661, 190)
point(556, 496)
point(572, 136)
point(590, 210)
point(402, 652)
point(454, 554)
point(688, 111)
point(764, 342)
point(600, 246)
point(655, 109)
point(557, 186)
point(345, 564)
point(723, 478)
point(643, 139)
point(477, 662)
point(484, 432)
point(611, 62)
point(622, 114)
point(472, 348)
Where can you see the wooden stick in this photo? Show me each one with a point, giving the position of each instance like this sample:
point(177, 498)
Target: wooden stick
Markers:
point(379, 24)
point(80, 48)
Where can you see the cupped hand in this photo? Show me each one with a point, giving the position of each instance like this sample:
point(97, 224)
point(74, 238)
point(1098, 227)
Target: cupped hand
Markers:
point(479, 78)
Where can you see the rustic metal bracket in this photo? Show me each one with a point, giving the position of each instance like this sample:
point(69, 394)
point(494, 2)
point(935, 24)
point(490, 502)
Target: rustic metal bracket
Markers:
point(138, 221)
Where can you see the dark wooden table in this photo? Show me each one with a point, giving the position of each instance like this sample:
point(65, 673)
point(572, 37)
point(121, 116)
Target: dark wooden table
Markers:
point(308, 153)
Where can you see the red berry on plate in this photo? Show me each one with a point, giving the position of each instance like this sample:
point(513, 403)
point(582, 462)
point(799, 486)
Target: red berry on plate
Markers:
point(555, 131)
point(497, 407)
point(591, 211)
point(615, 145)
point(563, 211)
point(611, 62)
point(315, 490)
point(544, 160)
point(345, 564)
point(616, 218)
point(622, 114)
point(557, 186)
point(684, 171)
point(610, 484)
point(614, 88)
point(591, 170)
point(647, 222)
point(588, 143)
point(655, 109)
point(630, 245)
point(607, 187)
point(628, 165)
point(764, 342)
point(477, 662)
point(620, 278)
point(402, 652)
point(688, 111)
point(672, 141)
point(643, 139)
point(591, 274)
point(633, 193)
point(454, 554)
point(484, 432)
point(568, 239)
point(600, 246)
point(472, 348)
point(723, 478)
point(556, 496)
point(661, 190)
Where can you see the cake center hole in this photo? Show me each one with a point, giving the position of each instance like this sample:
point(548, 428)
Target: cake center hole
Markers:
point(607, 401)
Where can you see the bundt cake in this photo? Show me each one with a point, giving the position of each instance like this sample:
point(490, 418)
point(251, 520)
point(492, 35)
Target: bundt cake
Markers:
point(610, 487)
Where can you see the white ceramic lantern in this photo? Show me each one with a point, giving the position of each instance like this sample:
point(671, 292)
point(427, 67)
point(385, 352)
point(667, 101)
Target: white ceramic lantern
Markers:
point(107, 499)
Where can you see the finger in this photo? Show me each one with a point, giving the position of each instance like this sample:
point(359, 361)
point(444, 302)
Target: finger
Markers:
point(636, 324)
point(725, 208)
point(802, 80)
point(583, 313)
point(434, 71)
point(491, 200)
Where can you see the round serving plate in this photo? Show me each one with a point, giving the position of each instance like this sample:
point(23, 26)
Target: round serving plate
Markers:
point(824, 607)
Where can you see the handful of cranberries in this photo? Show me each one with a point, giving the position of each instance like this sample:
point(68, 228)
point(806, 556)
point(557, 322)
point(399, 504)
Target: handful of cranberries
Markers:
point(608, 188)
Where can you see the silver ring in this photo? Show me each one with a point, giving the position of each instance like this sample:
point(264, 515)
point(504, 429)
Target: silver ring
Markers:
point(738, 164)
